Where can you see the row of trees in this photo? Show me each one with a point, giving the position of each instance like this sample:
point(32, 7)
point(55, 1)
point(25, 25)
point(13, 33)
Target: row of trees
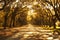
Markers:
point(43, 17)
point(15, 15)
point(56, 6)
point(50, 14)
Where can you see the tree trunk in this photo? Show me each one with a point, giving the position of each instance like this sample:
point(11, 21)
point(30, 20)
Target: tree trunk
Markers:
point(5, 21)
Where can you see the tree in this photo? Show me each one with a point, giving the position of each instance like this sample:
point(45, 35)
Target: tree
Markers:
point(6, 17)
point(7, 9)
point(2, 4)
point(55, 4)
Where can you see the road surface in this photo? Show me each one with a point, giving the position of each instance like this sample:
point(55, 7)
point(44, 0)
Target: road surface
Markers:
point(27, 32)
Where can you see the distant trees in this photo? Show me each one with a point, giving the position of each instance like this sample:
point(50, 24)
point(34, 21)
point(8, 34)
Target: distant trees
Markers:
point(43, 15)
point(22, 17)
